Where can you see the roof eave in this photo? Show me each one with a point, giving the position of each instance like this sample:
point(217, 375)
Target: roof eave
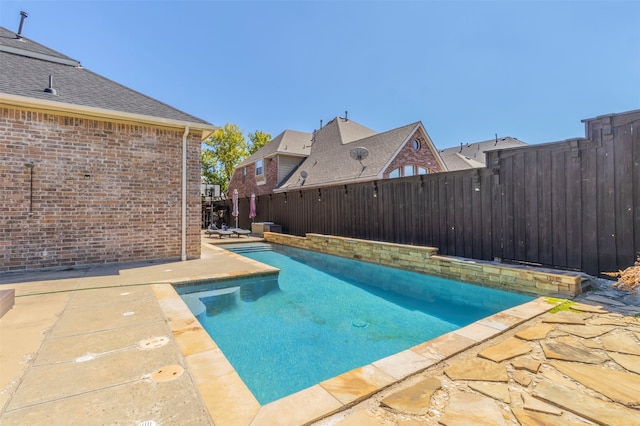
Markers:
point(54, 106)
point(327, 184)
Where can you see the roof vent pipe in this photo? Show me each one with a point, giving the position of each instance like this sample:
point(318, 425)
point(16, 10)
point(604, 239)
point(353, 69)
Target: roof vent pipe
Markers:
point(50, 89)
point(23, 15)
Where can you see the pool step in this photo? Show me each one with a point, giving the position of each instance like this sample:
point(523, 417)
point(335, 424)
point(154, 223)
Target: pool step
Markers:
point(254, 248)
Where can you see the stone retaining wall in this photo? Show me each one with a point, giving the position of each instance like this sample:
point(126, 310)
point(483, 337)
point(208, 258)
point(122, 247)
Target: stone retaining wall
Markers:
point(426, 260)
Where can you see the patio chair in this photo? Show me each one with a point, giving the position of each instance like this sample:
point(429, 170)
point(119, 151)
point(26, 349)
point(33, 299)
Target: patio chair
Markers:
point(238, 232)
point(214, 230)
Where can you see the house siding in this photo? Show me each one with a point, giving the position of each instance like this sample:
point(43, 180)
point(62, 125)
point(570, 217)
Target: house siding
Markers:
point(409, 156)
point(286, 165)
point(103, 191)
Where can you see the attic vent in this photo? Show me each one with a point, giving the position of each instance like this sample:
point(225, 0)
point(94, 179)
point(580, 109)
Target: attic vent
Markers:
point(50, 89)
point(23, 15)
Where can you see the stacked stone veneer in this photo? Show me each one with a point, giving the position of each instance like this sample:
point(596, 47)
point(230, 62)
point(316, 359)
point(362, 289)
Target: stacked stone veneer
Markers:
point(103, 191)
point(426, 260)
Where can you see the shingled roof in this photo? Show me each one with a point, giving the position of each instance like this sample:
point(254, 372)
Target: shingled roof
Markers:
point(330, 160)
point(27, 65)
point(289, 142)
point(472, 155)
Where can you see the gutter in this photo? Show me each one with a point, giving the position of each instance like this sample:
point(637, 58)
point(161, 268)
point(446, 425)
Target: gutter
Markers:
point(183, 256)
point(62, 107)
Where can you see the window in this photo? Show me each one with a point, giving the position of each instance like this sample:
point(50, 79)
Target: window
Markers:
point(259, 168)
point(244, 174)
point(408, 171)
point(416, 144)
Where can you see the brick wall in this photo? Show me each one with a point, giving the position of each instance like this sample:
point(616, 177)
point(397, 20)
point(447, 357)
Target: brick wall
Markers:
point(409, 156)
point(250, 185)
point(102, 191)
point(426, 260)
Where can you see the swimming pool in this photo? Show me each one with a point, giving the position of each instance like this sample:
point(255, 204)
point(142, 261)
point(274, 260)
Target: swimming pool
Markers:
point(325, 315)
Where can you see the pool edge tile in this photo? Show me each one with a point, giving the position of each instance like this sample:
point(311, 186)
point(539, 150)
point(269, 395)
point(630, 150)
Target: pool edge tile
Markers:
point(477, 332)
point(404, 364)
point(532, 309)
point(502, 321)
point(357, 384)
point(226, 396)
point(444, 346)
point(302, 407)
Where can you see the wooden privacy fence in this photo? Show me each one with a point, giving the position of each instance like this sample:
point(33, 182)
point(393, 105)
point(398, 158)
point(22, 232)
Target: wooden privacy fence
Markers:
point(569, 205)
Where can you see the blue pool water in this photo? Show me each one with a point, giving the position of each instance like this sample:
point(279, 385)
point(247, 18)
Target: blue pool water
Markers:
point(325, 315)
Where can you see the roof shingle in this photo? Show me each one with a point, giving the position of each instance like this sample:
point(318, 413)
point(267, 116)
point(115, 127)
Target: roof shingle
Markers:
point(27, 65)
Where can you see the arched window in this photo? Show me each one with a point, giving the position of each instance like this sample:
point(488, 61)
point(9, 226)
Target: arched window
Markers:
point(408, 170)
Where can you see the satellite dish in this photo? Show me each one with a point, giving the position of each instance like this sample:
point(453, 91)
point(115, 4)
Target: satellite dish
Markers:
point(303, 174)
point(359, 153)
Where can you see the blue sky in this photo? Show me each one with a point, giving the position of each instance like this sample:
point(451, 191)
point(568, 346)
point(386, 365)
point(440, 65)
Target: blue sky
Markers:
point(466, 69)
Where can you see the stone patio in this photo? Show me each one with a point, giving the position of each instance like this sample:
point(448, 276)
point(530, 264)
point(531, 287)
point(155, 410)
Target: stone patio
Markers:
point(569, 368)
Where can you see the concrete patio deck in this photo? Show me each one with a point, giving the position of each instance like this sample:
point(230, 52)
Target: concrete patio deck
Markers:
point(113, 345)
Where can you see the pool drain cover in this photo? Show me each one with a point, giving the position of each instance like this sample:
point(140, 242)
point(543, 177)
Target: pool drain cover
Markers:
point(153, 343)
point(359, 323)
point(168, 373)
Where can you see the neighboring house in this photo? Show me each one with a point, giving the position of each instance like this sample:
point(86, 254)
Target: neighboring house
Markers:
point(91, 171)
point(273, 163)
point(341, 152)
point(471, 156)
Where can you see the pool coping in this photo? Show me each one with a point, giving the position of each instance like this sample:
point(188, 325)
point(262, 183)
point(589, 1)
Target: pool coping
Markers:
point(230, 402)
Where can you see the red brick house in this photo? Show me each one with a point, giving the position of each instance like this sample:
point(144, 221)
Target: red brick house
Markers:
point(261, 172)
point(341, 152)
point(92, 171)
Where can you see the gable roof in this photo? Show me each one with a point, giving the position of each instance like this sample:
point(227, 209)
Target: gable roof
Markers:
point(472, 155)
point(289, 142)
point(330, 161)
point(25, 71)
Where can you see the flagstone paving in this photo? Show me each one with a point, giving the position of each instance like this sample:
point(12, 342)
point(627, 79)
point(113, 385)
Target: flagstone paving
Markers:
point(566, 368)
point(508, 349)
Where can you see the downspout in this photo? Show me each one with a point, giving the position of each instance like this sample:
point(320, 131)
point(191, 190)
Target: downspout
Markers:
point(183, 257)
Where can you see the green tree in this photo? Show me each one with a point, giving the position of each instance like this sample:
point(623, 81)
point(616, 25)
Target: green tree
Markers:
point(258, 140)
point(221, 153)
